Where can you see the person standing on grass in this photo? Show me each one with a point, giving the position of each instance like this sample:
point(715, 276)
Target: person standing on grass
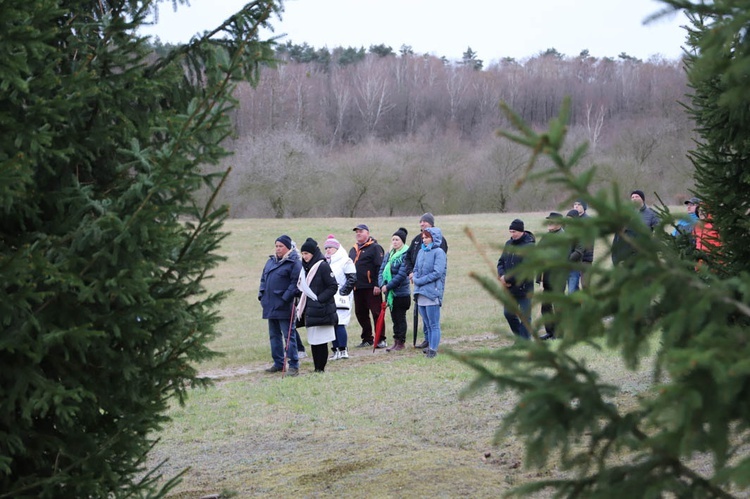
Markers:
point(301, 354)
point(346, 276)
point(317, 309)
point(685, 227)
point(552, 281)
point(394, 286)
point(622, 250)
point(520, 290)
point(576, 256)
point(425, 221)
point(428, 277)
point(588, 249)
point(278, 287)
point(367, 256)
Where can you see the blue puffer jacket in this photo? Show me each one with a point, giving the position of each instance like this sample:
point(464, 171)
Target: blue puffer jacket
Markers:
point(399, 283)
point(431, 268)
point(278, 285)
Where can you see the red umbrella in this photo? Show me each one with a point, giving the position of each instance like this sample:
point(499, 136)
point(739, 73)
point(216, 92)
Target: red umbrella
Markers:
point(379, 326)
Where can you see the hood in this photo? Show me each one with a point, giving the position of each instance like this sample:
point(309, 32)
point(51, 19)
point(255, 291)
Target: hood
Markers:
point(339, 256)
point(437, 236)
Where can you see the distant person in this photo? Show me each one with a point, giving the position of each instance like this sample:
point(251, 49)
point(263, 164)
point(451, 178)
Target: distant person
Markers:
point(428, 277)
point(395, 287)
point(520, 290)
point(685, 226)
point(346, 276)
point(706, 237)
point(367, 256)
point(622, 250)
point(301, 353)
point(588, 247)
point(317, 308)
point(552, 281)
point(278, 287)
point(576, 256)
point(425, 221)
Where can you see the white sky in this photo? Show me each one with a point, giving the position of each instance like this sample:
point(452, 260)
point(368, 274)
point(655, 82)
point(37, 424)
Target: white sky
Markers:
point(492, 28)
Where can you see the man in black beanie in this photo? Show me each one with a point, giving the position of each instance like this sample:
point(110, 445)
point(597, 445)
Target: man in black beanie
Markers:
point(425, 221)
point(621, 249)
point(520, 290)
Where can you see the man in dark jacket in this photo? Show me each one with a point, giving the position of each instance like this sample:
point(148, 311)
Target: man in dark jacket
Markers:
point(520, 290)
point(621, 249)
point(278, 287)
point(427, 220)
point(367, 256)
point(588, 249)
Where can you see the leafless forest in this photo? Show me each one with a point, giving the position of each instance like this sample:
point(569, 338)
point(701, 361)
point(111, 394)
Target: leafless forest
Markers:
point(381, 134)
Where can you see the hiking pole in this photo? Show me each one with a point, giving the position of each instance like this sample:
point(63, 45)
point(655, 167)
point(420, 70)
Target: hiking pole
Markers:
point(416, 320)
point(288, 337)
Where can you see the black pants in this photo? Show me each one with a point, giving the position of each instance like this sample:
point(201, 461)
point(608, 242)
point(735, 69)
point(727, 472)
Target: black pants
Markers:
point(366, 303)
point(320, 356)
point(398, 315)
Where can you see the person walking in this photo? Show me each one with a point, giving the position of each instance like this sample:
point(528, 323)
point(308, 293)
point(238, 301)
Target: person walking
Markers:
point(278, 287)
point(317, 309)
point(425, 221)
point(576, 256)
point(430, 270)
point(346, 276)
point(394, 286)
point(520, 290)
point(367, 256)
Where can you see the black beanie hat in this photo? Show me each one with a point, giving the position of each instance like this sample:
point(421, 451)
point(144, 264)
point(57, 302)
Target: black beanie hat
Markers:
point(517, 224)
point(285, 240)
point(309, 246)
point(640, 193)
point(401, 233)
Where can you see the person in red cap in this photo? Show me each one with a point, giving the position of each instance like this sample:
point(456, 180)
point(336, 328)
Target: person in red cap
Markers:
point(367, 256)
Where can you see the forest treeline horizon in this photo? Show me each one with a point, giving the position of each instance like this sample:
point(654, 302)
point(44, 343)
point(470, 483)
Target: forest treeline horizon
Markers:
point(353, 132)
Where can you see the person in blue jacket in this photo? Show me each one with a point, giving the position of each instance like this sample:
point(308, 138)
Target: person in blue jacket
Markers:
point(278, 288)
point(428, 277)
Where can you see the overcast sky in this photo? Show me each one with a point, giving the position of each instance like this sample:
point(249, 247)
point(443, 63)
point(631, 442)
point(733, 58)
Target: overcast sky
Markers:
point(492, 28)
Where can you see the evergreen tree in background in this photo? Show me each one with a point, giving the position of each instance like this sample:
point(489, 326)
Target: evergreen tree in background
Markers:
point(103, 248)
point(687, 434)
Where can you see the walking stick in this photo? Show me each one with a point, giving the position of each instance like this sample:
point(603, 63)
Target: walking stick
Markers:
point(416, 321)
point(288, 337)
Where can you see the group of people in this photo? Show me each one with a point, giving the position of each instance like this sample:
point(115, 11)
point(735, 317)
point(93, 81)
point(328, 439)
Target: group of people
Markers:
point(317, 290)
point(518, 316)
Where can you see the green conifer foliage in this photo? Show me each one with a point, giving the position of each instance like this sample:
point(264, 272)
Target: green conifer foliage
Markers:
point(103, 247)
point(695, 323)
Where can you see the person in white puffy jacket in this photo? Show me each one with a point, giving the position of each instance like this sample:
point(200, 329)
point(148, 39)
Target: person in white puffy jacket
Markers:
point(346, 276)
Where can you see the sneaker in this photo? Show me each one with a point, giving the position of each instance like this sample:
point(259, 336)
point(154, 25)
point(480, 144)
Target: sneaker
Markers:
point(336, 355)
point(274, 369)
point(302, 354)
point(365, 344)
point(344, 354)
point(431, 354)
point(547, 337)
point(292, 371)
point(382, 344)
point(424, 344)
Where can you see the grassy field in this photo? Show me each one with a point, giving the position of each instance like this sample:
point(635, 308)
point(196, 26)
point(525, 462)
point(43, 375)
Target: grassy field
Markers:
point(377, 425)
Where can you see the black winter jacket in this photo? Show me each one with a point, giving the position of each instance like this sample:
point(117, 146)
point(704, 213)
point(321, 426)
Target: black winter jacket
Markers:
point(323, 311)
point(367, 260)
point(509, 259)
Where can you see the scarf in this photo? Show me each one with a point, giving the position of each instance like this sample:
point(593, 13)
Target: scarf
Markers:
point(303, 284)
point(394, 257)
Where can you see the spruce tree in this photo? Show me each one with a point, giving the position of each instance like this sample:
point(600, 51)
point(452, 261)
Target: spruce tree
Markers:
point(690, 326)
point(104, 247)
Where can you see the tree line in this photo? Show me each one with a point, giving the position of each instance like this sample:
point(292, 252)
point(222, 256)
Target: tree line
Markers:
point(385, 133)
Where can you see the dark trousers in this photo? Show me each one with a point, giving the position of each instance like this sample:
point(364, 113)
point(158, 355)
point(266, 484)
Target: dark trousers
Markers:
point(320, 356)
point(398, 315)
point(548, 310)
point(366, 303)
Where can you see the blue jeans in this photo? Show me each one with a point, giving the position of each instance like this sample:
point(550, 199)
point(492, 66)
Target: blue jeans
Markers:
point(515, 323)
point(341, 337)
point(278, 329)
point(431, 323)
point(573, 279)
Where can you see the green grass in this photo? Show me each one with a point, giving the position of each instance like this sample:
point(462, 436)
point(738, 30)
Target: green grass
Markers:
point(377, 425)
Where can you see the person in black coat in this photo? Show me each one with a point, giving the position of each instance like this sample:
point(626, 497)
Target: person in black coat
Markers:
point(317, 308)
point(520, 290)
